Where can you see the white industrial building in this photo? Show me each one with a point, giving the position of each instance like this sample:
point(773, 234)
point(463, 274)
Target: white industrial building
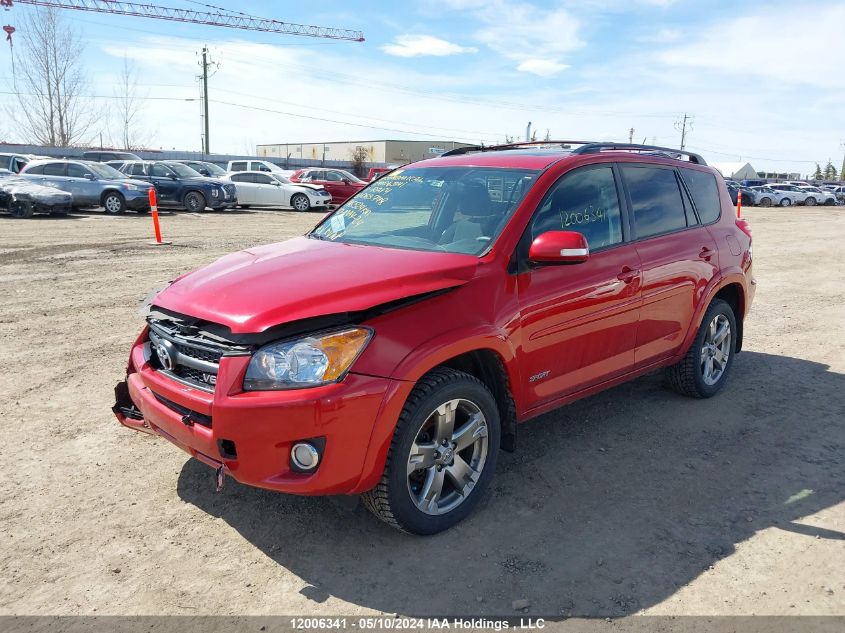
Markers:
point(736, 171)
point(389, 152)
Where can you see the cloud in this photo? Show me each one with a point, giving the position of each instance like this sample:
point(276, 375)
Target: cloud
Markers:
point(535, 38)
point(424, 45)
point(792, 45)
point(542, 67)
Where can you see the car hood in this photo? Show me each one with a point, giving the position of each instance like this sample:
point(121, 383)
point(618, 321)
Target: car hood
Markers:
point(256, 289)
point(305, 185)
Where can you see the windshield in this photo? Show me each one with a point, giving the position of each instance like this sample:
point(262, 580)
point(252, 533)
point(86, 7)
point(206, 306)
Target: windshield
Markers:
point(183, 171)
point(105, 171)
point(450, 209)
point(214, 170)
point(348, 176)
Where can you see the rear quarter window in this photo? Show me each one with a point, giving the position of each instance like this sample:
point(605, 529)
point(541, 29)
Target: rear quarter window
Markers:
point(705, 194)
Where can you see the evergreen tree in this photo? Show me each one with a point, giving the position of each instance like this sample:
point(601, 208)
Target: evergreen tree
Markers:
point(829, 171)
point(817, 175)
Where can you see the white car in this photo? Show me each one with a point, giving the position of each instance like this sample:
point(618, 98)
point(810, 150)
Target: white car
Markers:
point(796, 195)
point(765, 196)
point(256, 165)
point(261, 189)
point(817, 196)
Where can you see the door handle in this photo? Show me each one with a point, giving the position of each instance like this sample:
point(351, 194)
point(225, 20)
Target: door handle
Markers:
point(628, 275)
point(706, 253)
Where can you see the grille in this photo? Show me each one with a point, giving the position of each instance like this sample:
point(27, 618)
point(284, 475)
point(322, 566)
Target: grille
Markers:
point(188, 361)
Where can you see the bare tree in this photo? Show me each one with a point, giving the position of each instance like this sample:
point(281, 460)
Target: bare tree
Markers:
point(129, 101)
point(52, 89)
point(359, 157)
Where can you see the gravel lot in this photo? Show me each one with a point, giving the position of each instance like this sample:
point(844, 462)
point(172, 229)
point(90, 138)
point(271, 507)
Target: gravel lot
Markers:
point(635, 500)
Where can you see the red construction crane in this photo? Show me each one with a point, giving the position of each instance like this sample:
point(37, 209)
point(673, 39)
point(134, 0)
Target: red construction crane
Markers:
point(224, 18)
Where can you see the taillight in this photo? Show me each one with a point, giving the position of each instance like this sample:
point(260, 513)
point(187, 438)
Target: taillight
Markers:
point(744, 226)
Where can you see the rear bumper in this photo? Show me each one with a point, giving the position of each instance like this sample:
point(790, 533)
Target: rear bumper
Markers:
point(251, 433)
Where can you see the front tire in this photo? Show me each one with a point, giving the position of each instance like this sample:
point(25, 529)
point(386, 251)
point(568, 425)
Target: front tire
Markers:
point(442, 456)
point(300, 202)
point(786, 202)
point(21, 209)
point(194, 202)
point(114, 203)
point(705, 368)
point(810, 202)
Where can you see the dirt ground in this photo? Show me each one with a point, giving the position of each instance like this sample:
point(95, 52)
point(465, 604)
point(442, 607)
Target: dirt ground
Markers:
point(633, 501)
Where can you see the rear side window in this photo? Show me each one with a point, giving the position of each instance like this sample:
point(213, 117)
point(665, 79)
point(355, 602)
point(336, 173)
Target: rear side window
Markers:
point(585, 201)
point(705, 194)
point(239, 166)
point(655, 200)
point(54, 169)
point(243, 177)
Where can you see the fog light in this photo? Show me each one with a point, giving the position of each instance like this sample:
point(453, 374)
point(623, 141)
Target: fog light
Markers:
point(304, 456)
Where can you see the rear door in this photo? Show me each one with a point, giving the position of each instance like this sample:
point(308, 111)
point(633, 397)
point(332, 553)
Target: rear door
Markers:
point(579, 321)
point(678, 256)
point(246, 187)
point(55, 175)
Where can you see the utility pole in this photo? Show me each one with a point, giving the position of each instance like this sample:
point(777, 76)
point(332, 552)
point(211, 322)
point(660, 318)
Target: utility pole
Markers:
point(205, 63)
point(683, 128)
point(631, 136)
point(528, 132)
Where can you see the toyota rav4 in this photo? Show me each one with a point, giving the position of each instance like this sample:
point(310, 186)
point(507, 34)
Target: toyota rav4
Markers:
point(394, 349)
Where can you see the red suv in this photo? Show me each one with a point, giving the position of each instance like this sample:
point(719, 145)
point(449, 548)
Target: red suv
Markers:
point(341, 184)
point(443, 305)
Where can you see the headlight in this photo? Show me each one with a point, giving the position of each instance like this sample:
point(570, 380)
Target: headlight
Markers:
point(306, 362)
point(131, 187)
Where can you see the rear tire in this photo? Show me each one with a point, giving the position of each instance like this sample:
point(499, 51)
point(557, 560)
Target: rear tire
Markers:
point(705, 368)
point(194, 202)
point(244, 206)
point(810, 201)
point(114, 203)
point(429, 484)
point(765, 202)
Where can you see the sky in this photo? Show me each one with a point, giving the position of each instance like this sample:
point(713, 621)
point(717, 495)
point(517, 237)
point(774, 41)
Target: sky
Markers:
point(760, 82)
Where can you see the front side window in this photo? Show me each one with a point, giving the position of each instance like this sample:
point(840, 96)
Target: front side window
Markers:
point(35, 169)
point(263, 179)
point(585, 201)
point(76, 171)
point(655, 200)
point(333, 176)
point(161, 171)
point(705, 194)
point(183, 171)
point(449, 209)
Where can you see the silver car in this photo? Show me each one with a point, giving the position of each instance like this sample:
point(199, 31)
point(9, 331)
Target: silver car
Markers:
point(91, 184)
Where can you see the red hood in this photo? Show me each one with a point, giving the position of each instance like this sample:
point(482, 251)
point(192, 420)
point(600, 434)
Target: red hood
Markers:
point(258, 288)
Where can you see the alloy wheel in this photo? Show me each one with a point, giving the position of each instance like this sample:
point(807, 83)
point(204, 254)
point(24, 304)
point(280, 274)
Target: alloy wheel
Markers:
point(447, 456)
point(716, 349)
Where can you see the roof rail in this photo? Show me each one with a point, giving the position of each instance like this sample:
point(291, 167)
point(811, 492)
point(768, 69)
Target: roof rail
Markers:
point(595, 148)
point(518, 145)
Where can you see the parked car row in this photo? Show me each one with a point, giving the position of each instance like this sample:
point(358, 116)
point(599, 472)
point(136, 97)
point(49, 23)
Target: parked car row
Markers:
point(785, 194)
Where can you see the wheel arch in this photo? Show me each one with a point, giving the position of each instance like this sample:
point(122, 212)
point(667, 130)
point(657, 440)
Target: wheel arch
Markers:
point(730, 288)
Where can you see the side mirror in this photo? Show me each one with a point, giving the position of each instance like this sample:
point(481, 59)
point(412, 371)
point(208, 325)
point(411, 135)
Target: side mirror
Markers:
point(89, 176)
point(345, 181)
point(559, 247)
point(205, 172)
point(172, 176)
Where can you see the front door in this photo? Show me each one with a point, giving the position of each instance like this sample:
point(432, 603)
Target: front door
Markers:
point(579, 321)
point(166, 183)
